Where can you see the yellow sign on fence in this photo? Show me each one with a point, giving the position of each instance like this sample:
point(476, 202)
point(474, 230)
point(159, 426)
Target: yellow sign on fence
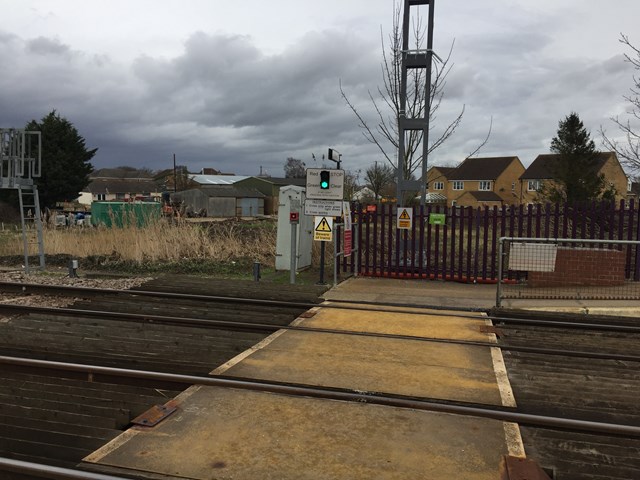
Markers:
point(405, 218)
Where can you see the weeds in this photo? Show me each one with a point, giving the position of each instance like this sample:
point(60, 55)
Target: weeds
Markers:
point(160, 245)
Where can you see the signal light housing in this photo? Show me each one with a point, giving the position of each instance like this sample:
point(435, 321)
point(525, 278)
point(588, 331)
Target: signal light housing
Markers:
point(325, 179)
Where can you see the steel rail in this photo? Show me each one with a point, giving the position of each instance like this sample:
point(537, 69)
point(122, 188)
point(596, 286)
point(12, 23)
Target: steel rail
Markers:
point(50, 472)
point(35, 288)
point(268, 328)
point(344, 395)
point(565, 324)
point(69, 289)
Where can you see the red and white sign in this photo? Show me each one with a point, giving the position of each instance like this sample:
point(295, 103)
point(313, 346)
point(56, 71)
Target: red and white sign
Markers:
point(348, 233)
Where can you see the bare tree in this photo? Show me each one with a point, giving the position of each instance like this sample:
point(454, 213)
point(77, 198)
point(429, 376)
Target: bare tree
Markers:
point(294, 168)
point(378, 177)
point(384, 131)
point(351, 179)
point(628, 150)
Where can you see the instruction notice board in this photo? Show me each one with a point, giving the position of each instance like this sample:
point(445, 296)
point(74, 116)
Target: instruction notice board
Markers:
point(348, 233)
point(323, 229)
point(404, 218)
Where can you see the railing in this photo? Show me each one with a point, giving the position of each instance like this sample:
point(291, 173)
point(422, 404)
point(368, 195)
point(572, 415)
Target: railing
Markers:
point(568, 268)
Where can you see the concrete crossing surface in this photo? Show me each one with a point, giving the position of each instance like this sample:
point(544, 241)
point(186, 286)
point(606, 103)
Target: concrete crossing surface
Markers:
point(226, 433)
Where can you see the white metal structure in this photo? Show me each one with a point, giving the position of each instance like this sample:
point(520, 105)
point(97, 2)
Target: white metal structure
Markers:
point(20, 163)
point(292, 200)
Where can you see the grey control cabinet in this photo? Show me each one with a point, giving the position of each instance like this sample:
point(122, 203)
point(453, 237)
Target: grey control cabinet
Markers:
point(292, 200)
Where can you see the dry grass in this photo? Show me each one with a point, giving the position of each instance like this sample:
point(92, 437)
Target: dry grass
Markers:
point(159, 242)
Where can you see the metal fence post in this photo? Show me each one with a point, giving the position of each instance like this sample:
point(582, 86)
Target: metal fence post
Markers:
point(294, 253)
point(336, 260)
point(499, 289)
point(356, 250)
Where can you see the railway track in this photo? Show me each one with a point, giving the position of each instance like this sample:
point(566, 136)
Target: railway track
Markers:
point(213, 322)
point(596, 389)
point(56, 419)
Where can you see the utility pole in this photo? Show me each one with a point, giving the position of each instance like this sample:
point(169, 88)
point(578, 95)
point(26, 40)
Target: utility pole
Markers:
point(175, 175)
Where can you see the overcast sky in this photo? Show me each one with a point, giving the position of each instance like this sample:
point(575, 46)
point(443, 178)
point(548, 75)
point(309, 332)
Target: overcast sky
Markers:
point(239, 85)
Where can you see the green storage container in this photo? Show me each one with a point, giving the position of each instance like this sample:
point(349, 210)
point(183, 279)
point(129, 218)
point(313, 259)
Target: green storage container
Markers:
point(124, 213)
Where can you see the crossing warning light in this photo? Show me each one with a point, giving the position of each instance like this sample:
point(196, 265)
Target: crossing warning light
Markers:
point(325, 178)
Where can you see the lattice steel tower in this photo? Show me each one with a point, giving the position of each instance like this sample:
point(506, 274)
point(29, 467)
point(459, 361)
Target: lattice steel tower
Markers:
point(20, 163)
point(414, 59)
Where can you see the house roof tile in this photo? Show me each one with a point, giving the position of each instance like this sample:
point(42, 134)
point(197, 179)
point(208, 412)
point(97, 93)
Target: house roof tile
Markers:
point(542, 166)
point(445, 171)
point(486, 196)
point(477, 168)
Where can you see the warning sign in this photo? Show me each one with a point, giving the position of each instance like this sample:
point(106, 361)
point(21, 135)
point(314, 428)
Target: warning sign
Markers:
point(323, 229)
point(405, 218)
point(348, 239)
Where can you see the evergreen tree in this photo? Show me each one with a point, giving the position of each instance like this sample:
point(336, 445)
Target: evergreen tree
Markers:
point(65, 160)
point(575, 171)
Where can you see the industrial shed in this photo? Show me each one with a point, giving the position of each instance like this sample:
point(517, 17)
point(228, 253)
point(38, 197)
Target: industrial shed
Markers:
point(270, 187)
point(222, 201)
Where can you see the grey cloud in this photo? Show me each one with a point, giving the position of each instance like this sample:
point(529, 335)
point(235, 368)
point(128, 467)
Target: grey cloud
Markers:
point(47, 46)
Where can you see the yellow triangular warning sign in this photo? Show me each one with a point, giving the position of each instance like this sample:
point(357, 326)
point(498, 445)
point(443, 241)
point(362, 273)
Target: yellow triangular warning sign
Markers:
point(323, 226)
point(405, 215)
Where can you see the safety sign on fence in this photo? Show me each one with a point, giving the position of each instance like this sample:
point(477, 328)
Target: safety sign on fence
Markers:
point(348, 240)
point(405, 218)
point(323, 229)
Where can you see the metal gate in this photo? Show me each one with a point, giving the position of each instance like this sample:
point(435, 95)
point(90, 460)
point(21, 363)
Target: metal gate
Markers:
point(568, 268)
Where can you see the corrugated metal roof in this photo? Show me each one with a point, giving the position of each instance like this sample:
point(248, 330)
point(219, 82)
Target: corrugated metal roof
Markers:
point(224, 191)
point(216, 179)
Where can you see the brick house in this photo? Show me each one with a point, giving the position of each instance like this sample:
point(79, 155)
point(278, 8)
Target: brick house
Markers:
point(488, 181)
point(438, 184)
point(540, 172)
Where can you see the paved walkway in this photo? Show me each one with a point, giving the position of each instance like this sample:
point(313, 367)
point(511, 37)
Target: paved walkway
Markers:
point(465, 295)
point(235, 434)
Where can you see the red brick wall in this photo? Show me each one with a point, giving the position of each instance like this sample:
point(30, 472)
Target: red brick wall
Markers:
point(583, 267)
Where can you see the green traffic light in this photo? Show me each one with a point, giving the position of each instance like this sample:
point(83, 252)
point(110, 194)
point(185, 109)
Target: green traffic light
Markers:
point(325, 177)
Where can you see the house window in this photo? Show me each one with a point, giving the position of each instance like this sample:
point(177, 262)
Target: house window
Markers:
point(629, 185)
point(513, 187)
point(534, 185)
point(458, 185)
point(484, 185)
point(438, 185)
point(101, 197)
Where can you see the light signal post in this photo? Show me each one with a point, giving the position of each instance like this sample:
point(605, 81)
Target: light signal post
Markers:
point(324, 184)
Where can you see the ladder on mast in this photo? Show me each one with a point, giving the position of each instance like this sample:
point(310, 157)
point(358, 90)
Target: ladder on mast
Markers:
point(31, 221)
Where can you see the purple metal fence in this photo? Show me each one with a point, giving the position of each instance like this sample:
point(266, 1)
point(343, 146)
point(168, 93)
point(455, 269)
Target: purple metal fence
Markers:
point(465, 248)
